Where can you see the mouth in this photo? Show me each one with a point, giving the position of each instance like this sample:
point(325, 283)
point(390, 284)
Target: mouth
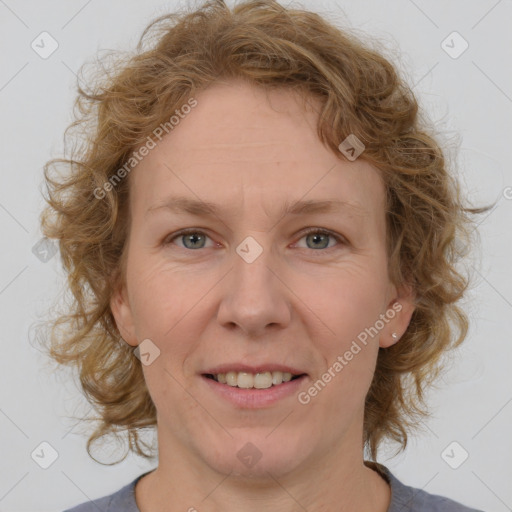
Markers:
point(259, 380)
point(254, 387)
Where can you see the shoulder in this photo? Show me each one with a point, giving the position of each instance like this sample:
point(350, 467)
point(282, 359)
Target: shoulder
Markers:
point(411, 499)
point(122, 500)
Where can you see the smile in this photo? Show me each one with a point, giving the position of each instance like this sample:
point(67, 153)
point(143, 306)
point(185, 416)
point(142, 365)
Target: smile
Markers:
point(260, 380)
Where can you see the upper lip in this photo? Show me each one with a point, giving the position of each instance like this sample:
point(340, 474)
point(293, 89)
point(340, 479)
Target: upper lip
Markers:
point(241, 367)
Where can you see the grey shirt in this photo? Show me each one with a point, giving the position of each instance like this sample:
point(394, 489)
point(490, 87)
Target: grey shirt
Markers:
point(403, 498)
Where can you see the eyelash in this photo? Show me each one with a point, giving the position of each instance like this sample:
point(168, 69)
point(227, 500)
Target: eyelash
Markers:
point(341, 240)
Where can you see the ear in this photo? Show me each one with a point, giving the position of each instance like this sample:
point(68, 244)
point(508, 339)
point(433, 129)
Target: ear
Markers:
point(399, 313)
point(123, 315)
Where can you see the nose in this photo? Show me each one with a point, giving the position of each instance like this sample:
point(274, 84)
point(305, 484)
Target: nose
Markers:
point(255, 297)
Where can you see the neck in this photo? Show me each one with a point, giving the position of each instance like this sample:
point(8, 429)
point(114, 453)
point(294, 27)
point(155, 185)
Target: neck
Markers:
point(335, 480)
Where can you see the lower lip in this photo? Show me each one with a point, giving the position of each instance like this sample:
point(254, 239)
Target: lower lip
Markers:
point(254, 398)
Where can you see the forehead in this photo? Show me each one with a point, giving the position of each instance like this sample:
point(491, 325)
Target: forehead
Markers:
point(246, 147)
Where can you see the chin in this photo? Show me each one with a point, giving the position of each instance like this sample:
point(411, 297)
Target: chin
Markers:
point(258, 456)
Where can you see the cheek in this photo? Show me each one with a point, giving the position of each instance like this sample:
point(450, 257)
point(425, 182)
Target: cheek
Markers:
point(170, 308)
point(345, 301)
point(160, 297)
point(346, 307)
point(344, 379)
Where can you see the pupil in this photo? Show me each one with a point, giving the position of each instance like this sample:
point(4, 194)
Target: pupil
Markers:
point(193, 238)
point(316, 236)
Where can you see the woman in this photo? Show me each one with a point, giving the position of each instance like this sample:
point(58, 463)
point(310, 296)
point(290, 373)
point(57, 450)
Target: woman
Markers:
point(261, 239)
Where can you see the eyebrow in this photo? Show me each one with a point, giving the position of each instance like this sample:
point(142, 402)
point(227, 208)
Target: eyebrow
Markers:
point(200, 208)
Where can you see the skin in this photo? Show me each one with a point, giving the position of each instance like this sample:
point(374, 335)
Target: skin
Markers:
point(250, 151)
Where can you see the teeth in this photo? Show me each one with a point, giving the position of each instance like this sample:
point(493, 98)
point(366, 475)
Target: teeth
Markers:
point(232, 378)
point(246, 380)
point(263, 380)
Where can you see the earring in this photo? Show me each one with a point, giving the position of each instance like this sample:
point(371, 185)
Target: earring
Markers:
point(394, 336)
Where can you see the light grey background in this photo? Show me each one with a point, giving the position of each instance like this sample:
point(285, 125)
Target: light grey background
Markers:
point(470, 95)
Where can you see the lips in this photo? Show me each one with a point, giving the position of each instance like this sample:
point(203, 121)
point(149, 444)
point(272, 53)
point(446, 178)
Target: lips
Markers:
point(253, 397)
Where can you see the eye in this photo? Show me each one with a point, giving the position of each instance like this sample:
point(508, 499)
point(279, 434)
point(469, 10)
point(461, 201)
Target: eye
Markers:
point(316, 238)
point(191, 239)
point(319, 238)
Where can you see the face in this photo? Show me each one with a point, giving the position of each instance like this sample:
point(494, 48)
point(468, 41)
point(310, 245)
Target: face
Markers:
point(255, 289)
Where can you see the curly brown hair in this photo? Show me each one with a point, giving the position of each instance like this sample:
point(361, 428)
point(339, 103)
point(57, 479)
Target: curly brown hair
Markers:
point(361, 93)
